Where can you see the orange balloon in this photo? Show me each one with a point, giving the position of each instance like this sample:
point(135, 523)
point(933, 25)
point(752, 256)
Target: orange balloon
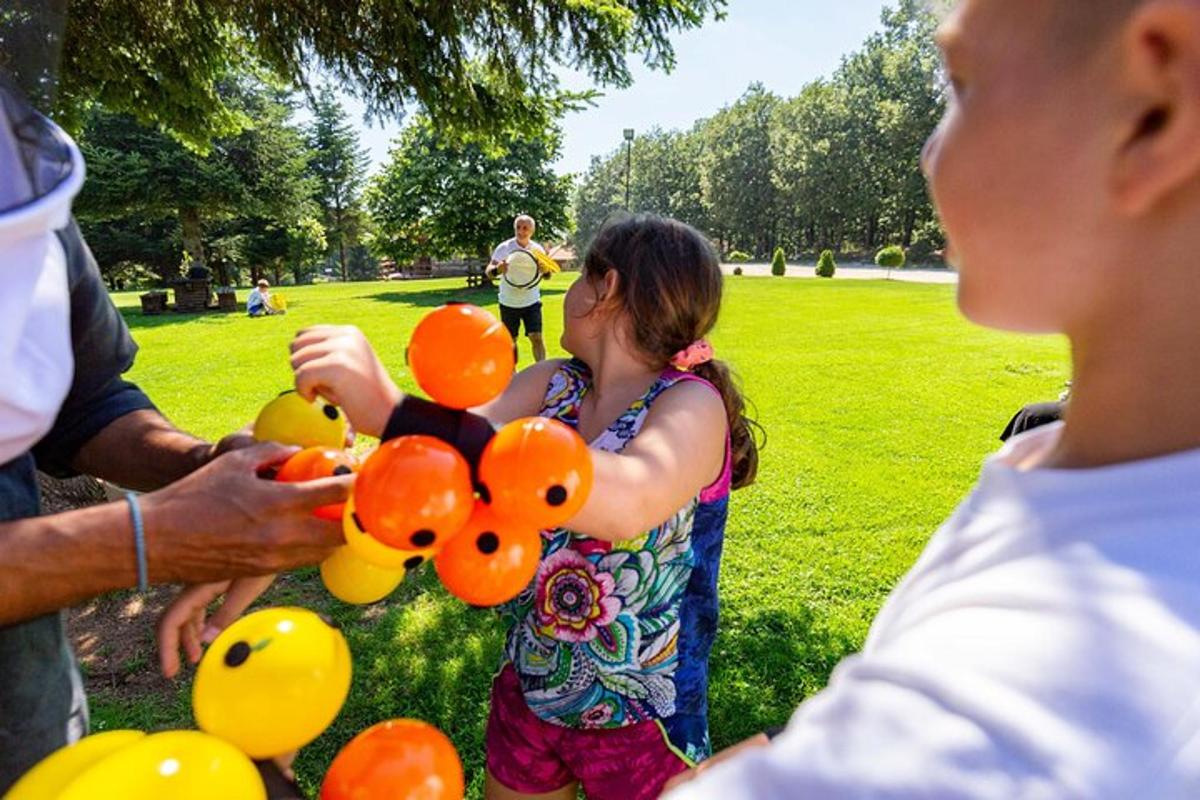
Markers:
point(413, 493)
point(491, 560)
point(401, 759)
point(318, 462)
point(536, 471)
point(461, 355)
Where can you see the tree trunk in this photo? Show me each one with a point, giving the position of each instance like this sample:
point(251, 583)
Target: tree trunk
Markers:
point(910, 224)
point(189, 223)
point(278, 270)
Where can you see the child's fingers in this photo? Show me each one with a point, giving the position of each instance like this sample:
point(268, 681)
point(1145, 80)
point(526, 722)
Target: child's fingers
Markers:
point(311, 335)
point(317, 377)
point(242, 593)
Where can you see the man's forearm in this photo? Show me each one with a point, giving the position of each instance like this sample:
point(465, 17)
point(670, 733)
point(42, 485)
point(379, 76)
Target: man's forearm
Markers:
point(142, 450)
point(56, 561)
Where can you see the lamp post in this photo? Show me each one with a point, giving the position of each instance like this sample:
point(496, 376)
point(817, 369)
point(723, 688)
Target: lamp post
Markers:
point(628, 162)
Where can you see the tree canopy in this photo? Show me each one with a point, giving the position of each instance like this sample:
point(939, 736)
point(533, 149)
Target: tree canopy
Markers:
point(440, 197)
point(482, 67)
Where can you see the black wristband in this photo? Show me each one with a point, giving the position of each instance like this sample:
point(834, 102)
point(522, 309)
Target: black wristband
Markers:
point(468, 433)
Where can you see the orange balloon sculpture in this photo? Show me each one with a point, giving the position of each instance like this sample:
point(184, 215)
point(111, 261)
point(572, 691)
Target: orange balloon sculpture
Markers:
point(318, 462)
point(536, 471)
point(413, 493)
point(461, 355)
point(491, 560)
point(402, 759)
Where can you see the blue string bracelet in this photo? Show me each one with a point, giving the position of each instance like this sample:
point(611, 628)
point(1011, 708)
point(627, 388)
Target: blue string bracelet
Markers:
point(139, 541)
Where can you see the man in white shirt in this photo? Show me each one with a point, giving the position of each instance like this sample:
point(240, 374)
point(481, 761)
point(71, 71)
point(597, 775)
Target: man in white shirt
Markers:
point(1047, 642)
point(520, 292)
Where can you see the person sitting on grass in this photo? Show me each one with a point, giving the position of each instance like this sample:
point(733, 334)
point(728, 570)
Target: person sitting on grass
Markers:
point(258, 304)
point(1047, 642)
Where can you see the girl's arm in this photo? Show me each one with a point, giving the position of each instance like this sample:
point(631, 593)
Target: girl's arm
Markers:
point(679, 451)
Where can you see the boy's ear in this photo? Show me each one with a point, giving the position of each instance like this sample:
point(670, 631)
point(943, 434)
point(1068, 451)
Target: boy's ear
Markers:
point(1160, 58)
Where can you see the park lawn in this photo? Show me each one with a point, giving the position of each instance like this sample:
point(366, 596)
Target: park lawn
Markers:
point(879, 402)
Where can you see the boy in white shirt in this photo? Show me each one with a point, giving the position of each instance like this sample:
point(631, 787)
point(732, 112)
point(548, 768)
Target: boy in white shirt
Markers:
point(520, 296)
point(1047, 642)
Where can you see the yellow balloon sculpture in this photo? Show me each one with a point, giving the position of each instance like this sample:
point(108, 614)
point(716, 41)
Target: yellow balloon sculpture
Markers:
point(56, 771)
point(290, 419)
point(272, 681)
point(180, 765)
point(353, 580)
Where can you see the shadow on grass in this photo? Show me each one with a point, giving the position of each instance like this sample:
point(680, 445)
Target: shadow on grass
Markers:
point(430, 298)
point(763, 665)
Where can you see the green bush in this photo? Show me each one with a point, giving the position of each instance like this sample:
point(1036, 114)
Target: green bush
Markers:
point(737, 257)
point(778, 263)
point(826, 266)
point(891, 257)
point(737, 270)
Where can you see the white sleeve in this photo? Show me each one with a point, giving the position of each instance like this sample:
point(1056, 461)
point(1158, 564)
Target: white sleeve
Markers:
point(500, 252)
point(875, 735)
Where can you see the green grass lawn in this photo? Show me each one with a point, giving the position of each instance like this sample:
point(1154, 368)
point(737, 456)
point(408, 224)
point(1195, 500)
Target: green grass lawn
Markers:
point(879, 403)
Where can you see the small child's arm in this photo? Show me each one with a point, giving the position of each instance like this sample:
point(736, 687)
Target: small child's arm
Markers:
point(679, 451)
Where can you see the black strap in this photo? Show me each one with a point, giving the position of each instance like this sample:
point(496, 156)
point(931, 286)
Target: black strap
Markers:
point(468, 433)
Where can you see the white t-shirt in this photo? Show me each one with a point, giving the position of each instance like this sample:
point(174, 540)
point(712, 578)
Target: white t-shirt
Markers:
point(1045, 645)
point(510, 295)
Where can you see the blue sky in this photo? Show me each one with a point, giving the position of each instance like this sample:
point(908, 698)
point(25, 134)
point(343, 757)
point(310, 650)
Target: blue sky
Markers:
point(783, 44)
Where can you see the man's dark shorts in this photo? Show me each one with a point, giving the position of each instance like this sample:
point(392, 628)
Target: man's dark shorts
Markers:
point(530, 315)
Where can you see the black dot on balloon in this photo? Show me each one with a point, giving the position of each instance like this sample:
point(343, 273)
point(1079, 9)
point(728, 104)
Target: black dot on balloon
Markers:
point(422, 538)
point(237, 654)
point(414, 562)
point(358, 522)
point(331, 412)
point(488, 543)
point(342, 469)
point(485, 494)
point(456, 302)
point(556, 495)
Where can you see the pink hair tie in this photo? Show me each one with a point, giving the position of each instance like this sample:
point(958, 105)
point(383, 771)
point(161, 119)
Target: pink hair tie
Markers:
point(697, 353)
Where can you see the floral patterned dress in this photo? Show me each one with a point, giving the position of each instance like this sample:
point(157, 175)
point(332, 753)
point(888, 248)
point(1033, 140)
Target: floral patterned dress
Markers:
point(614, 634)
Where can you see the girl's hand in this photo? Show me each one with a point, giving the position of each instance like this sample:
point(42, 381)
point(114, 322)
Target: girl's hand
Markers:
point(338, 363)
point(183, 623)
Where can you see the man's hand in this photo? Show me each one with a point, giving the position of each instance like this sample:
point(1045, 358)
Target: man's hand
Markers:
point(752, 743)
point(338, 363)
point(224, 521)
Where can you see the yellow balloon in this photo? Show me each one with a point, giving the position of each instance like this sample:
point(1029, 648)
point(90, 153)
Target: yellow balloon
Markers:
point(290, 419)
point(373, 551)
point(272, 681)
point(54, 772)
point(180, 765)
point(352, 580)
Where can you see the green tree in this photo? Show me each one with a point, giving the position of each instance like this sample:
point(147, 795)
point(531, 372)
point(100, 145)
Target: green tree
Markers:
point(892, 257)
point(779, 263)
point(473, 65)
point(735, 173)
point(242, 188)
point(339, 165)
point(826, 266)
point(599, 196)
point(440, 197)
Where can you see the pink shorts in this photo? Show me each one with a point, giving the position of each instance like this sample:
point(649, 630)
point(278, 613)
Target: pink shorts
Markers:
point(529, 755)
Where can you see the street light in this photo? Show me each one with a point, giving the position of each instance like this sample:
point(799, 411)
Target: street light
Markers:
point(628, 162)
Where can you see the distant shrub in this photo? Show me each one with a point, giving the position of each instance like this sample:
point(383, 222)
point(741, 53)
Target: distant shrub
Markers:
point(778, 263)
point(737, 270)
point(891, 257)
point(738, 257)
point(826, 265)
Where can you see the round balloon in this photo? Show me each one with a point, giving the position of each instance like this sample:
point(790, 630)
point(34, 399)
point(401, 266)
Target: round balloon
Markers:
point(461, 355)
point(414, 493)
point(319, 462)
point(353, 580)
point(55, 772)
point(402, 759)
point(373, 551)
point(536, 471)
point(491, 560)
point(272, 681)
point(290, 419)
point(180, 765)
